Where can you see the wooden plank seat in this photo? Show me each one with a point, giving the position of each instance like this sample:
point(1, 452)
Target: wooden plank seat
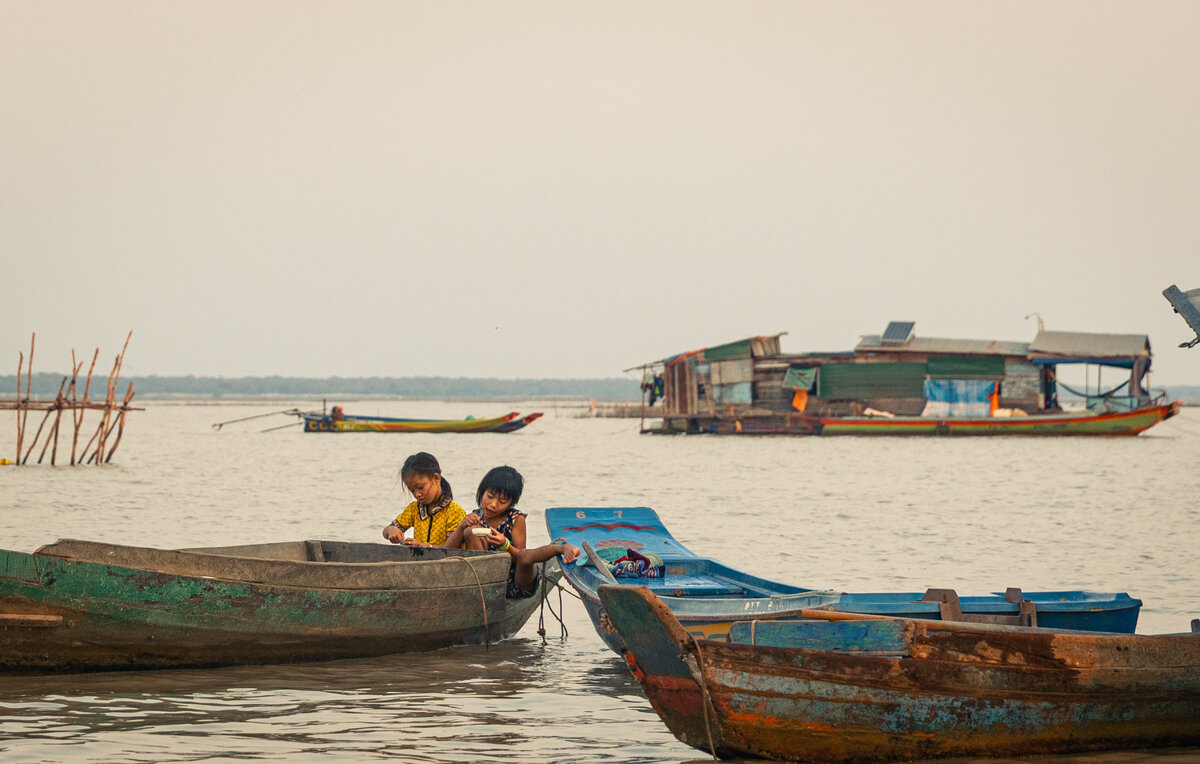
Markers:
point(686, 585)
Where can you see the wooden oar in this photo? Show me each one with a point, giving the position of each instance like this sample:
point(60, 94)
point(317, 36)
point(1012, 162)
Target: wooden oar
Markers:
point(283, 426)
point(219, 425)
point(598, 563)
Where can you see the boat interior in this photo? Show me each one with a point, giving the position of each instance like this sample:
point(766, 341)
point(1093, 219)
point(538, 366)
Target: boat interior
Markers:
point(332, 551)
point(700, 577)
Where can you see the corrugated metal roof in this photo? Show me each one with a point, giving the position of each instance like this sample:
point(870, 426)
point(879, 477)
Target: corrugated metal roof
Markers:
point(1089, 345)
point(758, 338)
point(871, 342)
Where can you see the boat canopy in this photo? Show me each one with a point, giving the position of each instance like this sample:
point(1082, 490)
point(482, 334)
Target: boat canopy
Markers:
point(1122, 350)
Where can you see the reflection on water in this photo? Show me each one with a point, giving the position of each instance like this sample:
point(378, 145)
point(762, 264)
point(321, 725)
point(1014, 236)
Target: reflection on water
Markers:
point(867, 515)
point(519, 700)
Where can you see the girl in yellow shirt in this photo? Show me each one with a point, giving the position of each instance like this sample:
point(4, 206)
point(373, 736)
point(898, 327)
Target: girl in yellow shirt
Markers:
point(434, 513)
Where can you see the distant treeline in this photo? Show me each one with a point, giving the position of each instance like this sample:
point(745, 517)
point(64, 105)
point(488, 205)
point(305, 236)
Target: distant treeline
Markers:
point(45, 385)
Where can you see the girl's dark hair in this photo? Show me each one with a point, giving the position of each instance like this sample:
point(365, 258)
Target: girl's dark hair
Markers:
point(503, 480)
point(422, 463)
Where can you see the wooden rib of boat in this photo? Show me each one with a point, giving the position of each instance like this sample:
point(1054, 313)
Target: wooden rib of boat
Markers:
point(338, 422)
point(86, 606)
point(886, 690)
point(707, 596)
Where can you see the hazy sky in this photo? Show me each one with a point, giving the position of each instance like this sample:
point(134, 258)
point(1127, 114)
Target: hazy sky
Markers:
point(564, 189)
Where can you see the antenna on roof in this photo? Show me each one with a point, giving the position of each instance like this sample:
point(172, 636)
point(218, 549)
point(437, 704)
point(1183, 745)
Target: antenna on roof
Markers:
point(1041, 326)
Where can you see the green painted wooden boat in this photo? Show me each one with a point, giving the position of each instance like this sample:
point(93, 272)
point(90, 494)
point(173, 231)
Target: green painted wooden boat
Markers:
point(86, 606)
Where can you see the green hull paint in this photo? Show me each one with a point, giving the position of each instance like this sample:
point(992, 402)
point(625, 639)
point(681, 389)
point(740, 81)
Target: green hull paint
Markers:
point(117, 617)
point(1120, 423)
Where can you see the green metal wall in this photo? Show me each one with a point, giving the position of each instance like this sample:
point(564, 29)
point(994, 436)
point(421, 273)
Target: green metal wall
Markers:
point(871, 380)
point(966, 367)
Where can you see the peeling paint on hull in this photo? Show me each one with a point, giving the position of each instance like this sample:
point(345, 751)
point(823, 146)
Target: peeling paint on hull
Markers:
point(116, 617)
point(932, 693)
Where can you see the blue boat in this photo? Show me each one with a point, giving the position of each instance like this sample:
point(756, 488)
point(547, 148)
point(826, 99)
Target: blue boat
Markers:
point(866, 688)
point(707, 596)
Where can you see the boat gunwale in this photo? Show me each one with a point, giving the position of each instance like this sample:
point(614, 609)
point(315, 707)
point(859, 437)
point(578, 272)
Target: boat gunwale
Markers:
point(483, 568)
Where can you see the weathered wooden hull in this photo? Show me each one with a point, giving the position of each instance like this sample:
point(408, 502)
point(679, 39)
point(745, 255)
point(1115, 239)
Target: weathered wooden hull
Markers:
point(1114, 423)
point(326, 423)
point(134, 608)
point(894, 690)
point(707, 596)
point(1107, 423)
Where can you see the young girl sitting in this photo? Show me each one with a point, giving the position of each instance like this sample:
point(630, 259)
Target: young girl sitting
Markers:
point(498, 494)
point(434, 511)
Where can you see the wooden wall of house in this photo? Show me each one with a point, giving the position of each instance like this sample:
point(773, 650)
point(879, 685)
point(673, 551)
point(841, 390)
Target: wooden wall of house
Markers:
point(1021, 387)
point(690, 387)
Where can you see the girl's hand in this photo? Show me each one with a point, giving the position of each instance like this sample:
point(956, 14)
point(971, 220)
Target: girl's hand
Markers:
point(393, 534)
point(470, 521)
point(495, 537)
point(414, 542)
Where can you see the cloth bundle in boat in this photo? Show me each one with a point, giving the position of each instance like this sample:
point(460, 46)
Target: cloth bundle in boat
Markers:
point(637, 565)
point(629, 563)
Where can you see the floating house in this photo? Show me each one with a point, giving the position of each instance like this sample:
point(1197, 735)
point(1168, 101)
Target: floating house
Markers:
point(899, 382)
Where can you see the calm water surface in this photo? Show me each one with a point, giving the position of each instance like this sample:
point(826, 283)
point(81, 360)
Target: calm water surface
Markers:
point(855, 514)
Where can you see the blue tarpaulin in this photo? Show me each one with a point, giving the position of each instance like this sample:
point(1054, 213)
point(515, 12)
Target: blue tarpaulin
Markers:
point(958, 397)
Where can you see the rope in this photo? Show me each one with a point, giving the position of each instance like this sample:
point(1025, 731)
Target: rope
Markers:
point(487, 640)
point(545, 605)
point(541, 630)
point(707, 699)
point(1085, 393)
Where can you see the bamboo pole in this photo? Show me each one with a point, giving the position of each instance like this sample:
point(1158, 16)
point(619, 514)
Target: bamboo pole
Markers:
point(91, 440)
point(74, 378)
point(77, 415)
point(28, 387)
point(8, 405)
point(98, 455)
point(110, 399)
point(53, 434)
point(20, 368)
point(121, 419)
point(38, 434)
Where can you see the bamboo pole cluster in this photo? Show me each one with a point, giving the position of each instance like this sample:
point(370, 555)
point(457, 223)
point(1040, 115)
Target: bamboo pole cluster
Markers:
point(99, 449)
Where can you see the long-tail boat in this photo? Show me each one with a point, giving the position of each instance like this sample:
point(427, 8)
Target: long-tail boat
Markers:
point(79, 606)
point(707, 595)
point(888, 690)
point(338, 421)
point(1065, 423)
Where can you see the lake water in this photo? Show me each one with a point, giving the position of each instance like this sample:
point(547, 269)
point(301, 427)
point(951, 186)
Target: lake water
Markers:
point(976, 515)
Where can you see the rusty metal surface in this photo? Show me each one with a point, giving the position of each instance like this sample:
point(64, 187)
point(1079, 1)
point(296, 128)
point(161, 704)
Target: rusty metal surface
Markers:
point(1005, 691)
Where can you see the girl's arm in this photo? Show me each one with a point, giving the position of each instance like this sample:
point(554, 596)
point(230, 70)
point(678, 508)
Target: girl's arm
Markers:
point(518, 536)
point(461, 537)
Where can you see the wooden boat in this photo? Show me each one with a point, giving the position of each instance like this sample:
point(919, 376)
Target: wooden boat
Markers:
point(899, 383)
point(85, 606)
point(707, 596)
point(891, 690)
point(517, 424)
point(1077, 423)
point(339, 422)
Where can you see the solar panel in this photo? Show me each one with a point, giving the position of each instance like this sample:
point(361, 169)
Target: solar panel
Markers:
point(898, 332)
